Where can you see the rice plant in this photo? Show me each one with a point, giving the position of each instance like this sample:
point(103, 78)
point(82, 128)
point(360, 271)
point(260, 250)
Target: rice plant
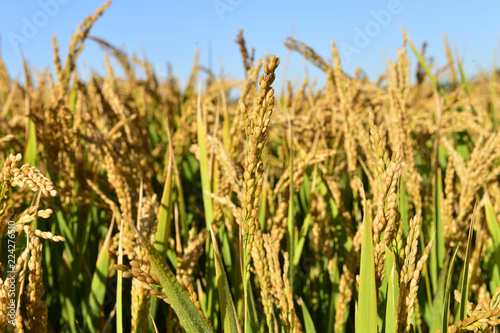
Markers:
point(131, 204)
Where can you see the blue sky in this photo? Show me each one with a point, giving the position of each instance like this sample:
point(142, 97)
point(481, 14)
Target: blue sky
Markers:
point(367, 32)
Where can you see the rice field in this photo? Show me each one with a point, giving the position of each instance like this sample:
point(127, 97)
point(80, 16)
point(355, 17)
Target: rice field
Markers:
point(131, 204)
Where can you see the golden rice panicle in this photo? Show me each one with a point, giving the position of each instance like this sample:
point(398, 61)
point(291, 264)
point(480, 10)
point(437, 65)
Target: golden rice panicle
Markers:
point(144, 277)
point(481, 320)
point(247, 58)
point(321, 232)
point(345, 96)
point(474, 174)
point(262, 271)
point(399, 121)
point(77, 43)
point(36, 307)
point(380, 154)
point(12, 176)
point(29, 175)
point(413, 287)
point(280, 285)
point(18, 275)
point(4, 76)
point(120, 185)
point(44, 234)
point(257, 125)
point(480, 170)
point(6, 178)
point(299, 167)
point(228, 179)
point(5, 216)
point(410, 275)
point(140, 296)
point(237, 136)
point(58, 68)
point(307, 52)
point(294, 321)
point(112, 205)
point(10, 164)
point(451, 63)
point(278, 223)
point(384, 223)
point(192, 252)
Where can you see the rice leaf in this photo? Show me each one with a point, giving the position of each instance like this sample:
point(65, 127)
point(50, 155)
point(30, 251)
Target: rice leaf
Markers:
point(204, 167)
point(494, 228)
point(366, 314)
point(426, 68)
point(334, 278)
point(119, 284)
point(436, 319)
point(30, 151)
point(165, 210)
point(447, 294)
point(208, 211)
point(392, 294)
point(463, 78)
point(308, 321)
point(186, 311)
point(228, 312)
point(437, 255)
point(403, 206)
point(252, 323)
point(98, 285)
point(464, 288)
point(304, 230)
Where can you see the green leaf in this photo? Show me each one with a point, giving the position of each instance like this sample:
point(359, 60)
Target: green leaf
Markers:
point(392, 294)
point(165, 211)
point(462, 73)
point(30, 150)
point(302, 238)
point(436, 259)
point(335, 280)
point(494, 228)
point(72, 100)
point(119, 285)
point(446, 304)
point(404, 206)
point(204, 167)
point(98, 285)
point(438, 303)
point(179, 298)
point(426, 68)
point(252, 320)
point(366, 314)
point(228, 311)
point(163, 228)
point(208, 211)
point(308, 321)
point(464, 288)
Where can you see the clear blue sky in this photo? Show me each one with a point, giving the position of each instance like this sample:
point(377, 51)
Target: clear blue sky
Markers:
point(171, 31)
